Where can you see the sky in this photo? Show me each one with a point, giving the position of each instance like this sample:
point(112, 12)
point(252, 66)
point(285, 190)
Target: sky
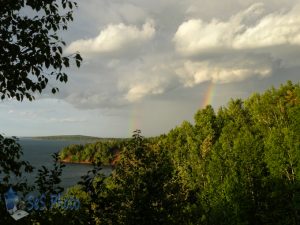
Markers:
point(150, 65)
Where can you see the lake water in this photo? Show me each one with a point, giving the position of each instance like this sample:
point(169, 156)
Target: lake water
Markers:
point(38, 153)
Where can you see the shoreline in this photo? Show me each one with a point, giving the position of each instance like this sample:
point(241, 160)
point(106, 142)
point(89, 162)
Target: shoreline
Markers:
point(83, 163)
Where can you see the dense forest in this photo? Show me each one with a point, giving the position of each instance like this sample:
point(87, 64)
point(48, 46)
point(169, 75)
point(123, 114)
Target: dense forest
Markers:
point(106, 151)
point(239, 165)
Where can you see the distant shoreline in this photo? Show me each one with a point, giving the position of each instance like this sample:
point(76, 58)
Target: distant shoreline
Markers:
point(65, 138)
point(82, 162)
point(79, 138)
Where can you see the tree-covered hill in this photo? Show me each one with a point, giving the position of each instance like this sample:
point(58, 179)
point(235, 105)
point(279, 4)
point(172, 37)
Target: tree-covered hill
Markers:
point(238, 165)
point(105, 151)
point(241, 164)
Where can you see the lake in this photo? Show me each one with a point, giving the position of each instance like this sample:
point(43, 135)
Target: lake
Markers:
point(38, 153)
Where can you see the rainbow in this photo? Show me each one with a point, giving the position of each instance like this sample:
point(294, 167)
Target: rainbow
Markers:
point(135, 114)
point(134, 119)
point(208, 96)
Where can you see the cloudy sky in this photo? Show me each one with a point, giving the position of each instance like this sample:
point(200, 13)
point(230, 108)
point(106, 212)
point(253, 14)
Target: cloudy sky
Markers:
point(152, 64)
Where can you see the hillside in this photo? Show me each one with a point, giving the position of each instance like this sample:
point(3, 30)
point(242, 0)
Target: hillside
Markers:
point(239, 164)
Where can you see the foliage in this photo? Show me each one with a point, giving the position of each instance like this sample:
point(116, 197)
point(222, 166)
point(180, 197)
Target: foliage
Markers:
point(11, 168)
point(48, 180)
point(31, 53)
point(105, 151)
point(143, 189)
point(239, 165)
point(31, 50)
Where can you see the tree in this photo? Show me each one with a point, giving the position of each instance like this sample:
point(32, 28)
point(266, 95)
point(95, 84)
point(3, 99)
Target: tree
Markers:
point(31, 53)
point(11, 165)
point(143, 189)
point(31, 50)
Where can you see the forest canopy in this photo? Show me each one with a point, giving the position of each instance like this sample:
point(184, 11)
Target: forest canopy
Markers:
point(237, 165)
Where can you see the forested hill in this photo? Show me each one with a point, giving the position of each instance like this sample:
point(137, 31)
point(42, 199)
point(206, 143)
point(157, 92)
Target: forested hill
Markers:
point(105, 151)
point(237, 165)
point(261, 109)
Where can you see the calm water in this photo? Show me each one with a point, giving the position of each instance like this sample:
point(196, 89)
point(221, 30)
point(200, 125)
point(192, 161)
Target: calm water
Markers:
point(38, 153)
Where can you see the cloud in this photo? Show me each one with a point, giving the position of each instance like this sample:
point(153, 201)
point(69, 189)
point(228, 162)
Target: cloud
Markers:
point(28, 114)
point(113, 38)
point(139, 90)
point(192, 73)
point(130, 61)
point(151, 76)
point(94, 99)
point(67, 120)
point(274, 29)
point(247, 29)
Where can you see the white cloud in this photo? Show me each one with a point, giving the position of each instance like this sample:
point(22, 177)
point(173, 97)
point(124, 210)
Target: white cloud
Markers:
point(116, 76)
point(138, 87)
point(140, 90)
point(274, 29)
point(245, 30)
point(193, 73)
point(195, 36)
point(113, 38)
point(150, 76)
